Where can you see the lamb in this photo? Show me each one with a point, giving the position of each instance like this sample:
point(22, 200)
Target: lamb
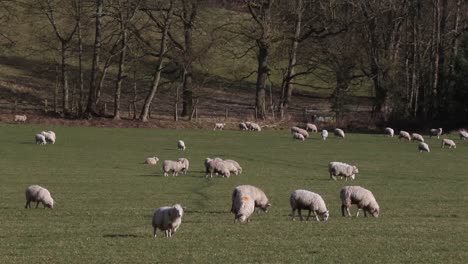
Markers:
point(417, 137)
point(404, 135)
point(339, 133)
point(236, 165)
point(243, 126)
point(219, 126)
point(20, 118)
point(448, 142)
point(423, 147)
point(167, 219)
point(324, 134)
point(298, 136)
point(216, 166)
point(463, 134)
point(180, 145)
point(336, 168)
point(173, 166)
point(255, 127)
point(40, 139)
point(435, 132)
point(151, 160)
point(185, 164)
point(49, 136)
point(302, 199)
point(389, 131)
point(311, 127)
point(363, 198)
point(38, 194)
point(257, 195)
point(242, 208)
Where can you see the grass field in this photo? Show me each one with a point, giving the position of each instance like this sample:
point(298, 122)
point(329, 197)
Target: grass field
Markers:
point(105, 198)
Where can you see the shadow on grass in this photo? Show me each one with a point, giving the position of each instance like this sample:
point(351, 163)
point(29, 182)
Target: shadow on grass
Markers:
point(123, 236)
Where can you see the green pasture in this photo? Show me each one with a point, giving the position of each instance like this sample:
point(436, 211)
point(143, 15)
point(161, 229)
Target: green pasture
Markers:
point(105, 198)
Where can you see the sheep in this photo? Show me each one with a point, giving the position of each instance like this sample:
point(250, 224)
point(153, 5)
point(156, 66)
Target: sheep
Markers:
point(417, 137)
point(38, 194)
point(49, 136)
point(20, 118)
point(243, 126)
point(259, 197)
point(255, 127)
point(363, 198)
point(216, 166)
point(404, 135)
point(185, 163)
point(339, 133)
point(435, 132)
point(300, 131)
point(248, 124)
point(167, 219)
point(236, 165)
point(389, 131)
point(336, 168)
point(295, 129)
point(180, 145)
point(40, 139)
point(311, 127)
point(423, 147)
point(324, 134)
point(463, 134)
point(298, 136)
point(302, 199)
point(151, 160)
point(219, 126)
point(173, 166)
point(448, 142)
point(242, 208)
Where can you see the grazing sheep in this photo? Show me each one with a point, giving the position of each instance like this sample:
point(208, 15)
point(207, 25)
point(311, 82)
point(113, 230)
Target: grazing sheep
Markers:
point(243, 126)
point(302, 199)
point(389, 131)
point(298, 136)
point(339, 133)
point(38, 194)
point(242, 208)
point(248, 124)
point(185, 163)
point(303, 132)
point(423, 147)
point(235, 164)
point(217, 166)
point(173, 166)
point(295, 129)
point(336, 168)
point(40, 139)
point(405, 135)
point(417, 137)
point(311, 127)
point(49, 136)
point(180, 145)
point(435, 132)
point(463, 134)
point(255, 127)
point(219, 126)
point(448, 142)
point(151, 160)
point(258, 196)
point(363, 198)
point(167, 219)
point(324, 134)
point(20, 118)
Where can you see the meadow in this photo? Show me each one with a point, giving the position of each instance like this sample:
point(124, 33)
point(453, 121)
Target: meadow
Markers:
point(105, 198)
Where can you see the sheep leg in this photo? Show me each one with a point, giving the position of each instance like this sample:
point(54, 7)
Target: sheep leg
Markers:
point(358, 210)
point(343, 210)
point(28, 204)
point(292, 214)
point(37, 204)
point(365, 213)
point(316, 216)
point(300, 214)
point(154, 232)
point(347, 210)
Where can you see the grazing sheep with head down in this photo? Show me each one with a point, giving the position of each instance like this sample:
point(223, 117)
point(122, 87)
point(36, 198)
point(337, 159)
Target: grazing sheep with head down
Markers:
point(219, 126)
point(423, 147)
point(339, 133)
point(301, 131)
point(389, 131)
point(151, 160)
point(324, 134)
point(173, 166)
point(307, 200)
point(363, 198)
point(448, 142)
point(243, 126)
point(242, 208)
point(417, 137)
point(236, 165)
point(185, 164)
point(255, 127)
point(404, 135)
point(336, 168)
point(436, 132)
point(311, 127)
point(463, 134)
point(167, 219)
point(217, 166)
point(49, 136)
point(180, 145)
point(40, 139)
point(259, 197)
point(298, 136)
point(38, 194)
point(20, 118)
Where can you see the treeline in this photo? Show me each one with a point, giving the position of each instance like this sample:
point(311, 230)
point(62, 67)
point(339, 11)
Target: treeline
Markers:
point(413, 53)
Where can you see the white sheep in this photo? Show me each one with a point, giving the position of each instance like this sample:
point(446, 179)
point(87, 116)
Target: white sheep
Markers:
point(324, 134)
point(404, 135)
point(172, 166)
point(180, 145)
point(435, 132)
point(242, 208)
point(255, 127)
point(463, 134)
point(40, 139)
point(295, 129)
point(248, 124)
point(49, 136)
point(339, 133)
point(363, 198)
point(217, 166)
point(20, 118)
point(302, 132)
point(311, 127)
point(423, 147)
point(258, 196)
point(298, 136)
point(448, 142)
point(243, 126)
point(185, 164)
point(219, 126)
point(151, 160)
point(417, 137)
point(336, 168)
point(38, 194)
point(307, 200)
point(236, 165)
point(389, 131)
point(167, 219)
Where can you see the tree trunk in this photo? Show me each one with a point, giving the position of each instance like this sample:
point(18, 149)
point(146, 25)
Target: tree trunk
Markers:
point(189, 13)
point(64, 77)
point(262, 75)
point(120, 75)
point(80, 62)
